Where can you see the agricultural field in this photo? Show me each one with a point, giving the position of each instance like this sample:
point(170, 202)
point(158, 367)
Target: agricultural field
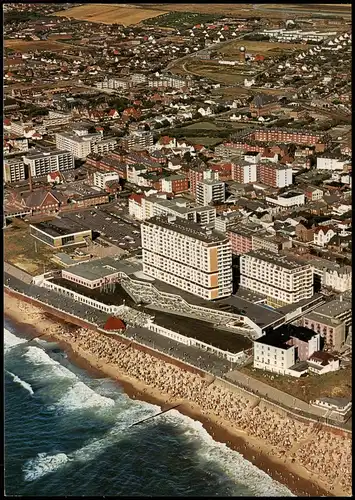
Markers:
point(21, 251)
point(111, 13)
point(229, 75)
point(333, 384)
point(25, 46)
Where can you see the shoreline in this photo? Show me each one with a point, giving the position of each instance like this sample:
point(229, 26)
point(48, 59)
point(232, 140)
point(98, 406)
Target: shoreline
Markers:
point(294, 476)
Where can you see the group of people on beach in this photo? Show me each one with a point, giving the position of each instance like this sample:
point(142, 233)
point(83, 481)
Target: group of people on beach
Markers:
point(323, 453)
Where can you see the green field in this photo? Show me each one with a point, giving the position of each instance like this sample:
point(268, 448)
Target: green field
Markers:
point(181, 20)
point(205, 141)
point(201, 126)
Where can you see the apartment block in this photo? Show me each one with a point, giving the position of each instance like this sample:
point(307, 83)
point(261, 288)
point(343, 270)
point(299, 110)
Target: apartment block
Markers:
point(14, 170)
point(333, 321)
point(210, 191)
point(52, 161)
point(279, 350)
point(281, 279)
point(137, 140)
point(78, 142)
point(278, 176)
point(183, 254)
point(244, 172)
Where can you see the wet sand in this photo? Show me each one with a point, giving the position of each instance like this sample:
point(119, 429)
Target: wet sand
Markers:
point(260, 453)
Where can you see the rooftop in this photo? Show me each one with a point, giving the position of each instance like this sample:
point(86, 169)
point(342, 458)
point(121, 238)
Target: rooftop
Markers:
point(276, 259)
point(333, 308)
point(100, 268)
point(187, 228)
point(283, 334)
point(59, 227)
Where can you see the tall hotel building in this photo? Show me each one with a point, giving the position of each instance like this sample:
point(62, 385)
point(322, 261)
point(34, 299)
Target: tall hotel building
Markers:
point(282, 279)
point(183, 254)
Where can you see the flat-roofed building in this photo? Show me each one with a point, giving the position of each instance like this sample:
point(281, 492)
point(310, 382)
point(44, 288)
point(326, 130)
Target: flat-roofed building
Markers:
point(14, 170)
point(185, 255)
point(282, 279)
point(332, 321)
point(60, 233)
point(41, 164)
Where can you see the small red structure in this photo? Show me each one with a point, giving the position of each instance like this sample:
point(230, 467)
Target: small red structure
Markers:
point(114, 324)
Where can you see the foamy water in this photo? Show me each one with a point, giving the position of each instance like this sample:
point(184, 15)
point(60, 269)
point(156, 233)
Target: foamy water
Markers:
point(77, 428)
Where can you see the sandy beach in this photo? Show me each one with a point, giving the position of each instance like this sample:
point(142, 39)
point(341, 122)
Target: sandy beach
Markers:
point(308, 462)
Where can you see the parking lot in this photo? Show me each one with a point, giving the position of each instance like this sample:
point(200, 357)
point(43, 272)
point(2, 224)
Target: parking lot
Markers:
point(111, 227)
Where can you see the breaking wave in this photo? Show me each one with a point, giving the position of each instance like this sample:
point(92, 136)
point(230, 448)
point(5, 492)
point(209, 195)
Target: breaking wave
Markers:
point(43, 464)
point(24, 384)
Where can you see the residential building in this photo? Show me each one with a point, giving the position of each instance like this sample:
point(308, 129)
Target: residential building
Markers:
point(195, 174)
point(274, 175)
point(331, 162)
point(244, 172)
point(279, 351)
point(14, 170)
point(176, 183)
point(287, 200)
point(241, 240)
point(100, 178)
point(183, 254)
point(280, 278)
point(210, 190)
point(332, 275)
point(313, 193)
point(104, 146)
point(52, 161)
point(322, 362)
point(322, 235)
point(137, 140)
point(333, 321)
point(79, 143)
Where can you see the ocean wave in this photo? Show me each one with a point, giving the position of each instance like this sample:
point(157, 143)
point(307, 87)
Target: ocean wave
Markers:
point(23, 383)
point(38, 356)
point(11, 340)
point(80, 396)
point(43, 464)
point(241, 471)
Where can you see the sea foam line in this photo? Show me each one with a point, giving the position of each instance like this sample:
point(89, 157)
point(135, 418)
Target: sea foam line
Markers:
point(21, 382)
point(233, 463)
point(42, 465)
point(11, 340)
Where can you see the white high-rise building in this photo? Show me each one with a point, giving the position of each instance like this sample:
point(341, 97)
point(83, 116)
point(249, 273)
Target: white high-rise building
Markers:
point(210, 190)
point(183, 254)
point(52, 161)
point(282, 279)
point(79, 143)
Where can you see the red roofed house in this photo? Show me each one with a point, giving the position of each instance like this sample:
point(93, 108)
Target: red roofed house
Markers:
point(115, 324)
point(135, 206)
point(42, 201)
point(113, 113)
point(131, 113)
point(54, 178)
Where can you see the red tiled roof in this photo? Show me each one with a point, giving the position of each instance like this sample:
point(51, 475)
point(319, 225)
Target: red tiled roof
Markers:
point(137, 197)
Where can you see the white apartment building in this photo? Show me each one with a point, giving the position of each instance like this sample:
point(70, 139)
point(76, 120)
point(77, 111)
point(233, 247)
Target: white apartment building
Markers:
point(138, 78)
point(244, 172)
point(143, 208)
point(14, 170)
point(287, 200)
point(322, 236)
point(252, 157)
point(210, 191)
point(332, 275)
point(52, 161)
point(281, 279)
point(183, 254)
point(331, 163)
point(277, 352)
point(104, 146)
point(78, 142)
point(100, 178)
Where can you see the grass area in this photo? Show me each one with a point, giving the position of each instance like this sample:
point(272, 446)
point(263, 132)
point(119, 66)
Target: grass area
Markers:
point(20, 250)
point(334, 384)
point(25, 46)
point(201, 125)
point(182, 19)
point(214, 71)
point(267, 49)
point(111, 13)
point(205, 141)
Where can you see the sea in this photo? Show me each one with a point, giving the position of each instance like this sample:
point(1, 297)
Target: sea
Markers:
point(69, 433)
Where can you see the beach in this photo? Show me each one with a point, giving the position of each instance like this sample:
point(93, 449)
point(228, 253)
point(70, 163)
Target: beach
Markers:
point(274, 443)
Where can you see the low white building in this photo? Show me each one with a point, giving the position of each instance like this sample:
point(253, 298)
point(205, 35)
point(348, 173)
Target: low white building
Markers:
point(323, 235)
point(287, 200)
point(332, 275)
point(322, 362)
point(331, 163)
point(100, 178)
